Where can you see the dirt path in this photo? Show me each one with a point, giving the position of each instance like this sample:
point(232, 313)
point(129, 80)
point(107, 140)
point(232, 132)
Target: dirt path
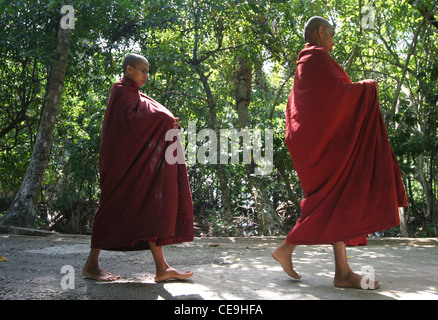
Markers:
point(49, 268)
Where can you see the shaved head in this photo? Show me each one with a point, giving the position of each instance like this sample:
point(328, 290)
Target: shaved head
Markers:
point(133, 59)
point(312, 27)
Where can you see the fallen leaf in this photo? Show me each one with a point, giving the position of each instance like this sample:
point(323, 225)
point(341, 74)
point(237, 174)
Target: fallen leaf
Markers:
point(3, 258)
point(214, 245)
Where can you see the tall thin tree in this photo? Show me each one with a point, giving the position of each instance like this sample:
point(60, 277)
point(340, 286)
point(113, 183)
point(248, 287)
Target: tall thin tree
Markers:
point(23, 211)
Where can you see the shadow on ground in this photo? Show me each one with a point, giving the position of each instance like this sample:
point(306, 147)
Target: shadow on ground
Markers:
point(225, 269)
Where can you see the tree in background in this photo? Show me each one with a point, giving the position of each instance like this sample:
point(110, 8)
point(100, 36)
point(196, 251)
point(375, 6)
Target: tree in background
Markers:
point(23, 211)
point(226, 65)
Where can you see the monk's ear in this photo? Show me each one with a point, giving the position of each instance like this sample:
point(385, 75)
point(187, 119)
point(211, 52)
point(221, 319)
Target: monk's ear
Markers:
point(321, 31)
point(129, 69)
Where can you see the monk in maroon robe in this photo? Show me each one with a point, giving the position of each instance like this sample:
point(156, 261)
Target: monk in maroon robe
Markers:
point(145, 202)
point(340, 149)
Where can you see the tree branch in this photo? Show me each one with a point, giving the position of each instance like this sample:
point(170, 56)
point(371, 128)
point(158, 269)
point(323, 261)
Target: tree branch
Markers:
point(405, 68)
point(426, 13)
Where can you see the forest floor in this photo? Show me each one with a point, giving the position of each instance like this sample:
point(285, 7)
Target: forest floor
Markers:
point(49, 268)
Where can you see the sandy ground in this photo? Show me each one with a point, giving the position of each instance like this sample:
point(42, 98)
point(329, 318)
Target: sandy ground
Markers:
point(49, 268)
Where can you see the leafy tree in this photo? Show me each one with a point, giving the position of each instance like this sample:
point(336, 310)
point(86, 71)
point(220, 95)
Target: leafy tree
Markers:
point(226, 65)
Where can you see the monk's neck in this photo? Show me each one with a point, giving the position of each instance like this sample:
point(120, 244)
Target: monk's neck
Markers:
point(129, 81)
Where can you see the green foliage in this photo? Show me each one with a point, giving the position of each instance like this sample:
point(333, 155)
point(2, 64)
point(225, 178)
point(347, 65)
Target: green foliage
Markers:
point(183, 39)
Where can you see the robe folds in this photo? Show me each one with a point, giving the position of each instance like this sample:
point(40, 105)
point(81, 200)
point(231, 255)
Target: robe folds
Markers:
point(143, 197)
point(340, 149)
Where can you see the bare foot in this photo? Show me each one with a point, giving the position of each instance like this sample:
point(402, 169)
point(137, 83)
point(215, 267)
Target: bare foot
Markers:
point(283, 254)
point(171, 273)
point(98, 274)
point(353, 280)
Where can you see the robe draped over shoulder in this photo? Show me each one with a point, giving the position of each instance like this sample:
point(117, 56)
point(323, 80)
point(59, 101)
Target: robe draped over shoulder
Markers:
point(143, 197)
point(340, 149)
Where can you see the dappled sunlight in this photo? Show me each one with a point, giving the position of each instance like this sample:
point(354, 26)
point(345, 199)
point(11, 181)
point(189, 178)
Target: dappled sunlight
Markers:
point(428, 294)
point(259, 277)
point(143, 290)
point(224, 269)
point(316, 265)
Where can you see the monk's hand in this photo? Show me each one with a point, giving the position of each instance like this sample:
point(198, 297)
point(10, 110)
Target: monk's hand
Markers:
point(176, 124)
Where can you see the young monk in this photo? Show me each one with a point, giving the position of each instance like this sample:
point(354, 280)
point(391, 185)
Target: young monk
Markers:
point(339, 147)
point(145, 202)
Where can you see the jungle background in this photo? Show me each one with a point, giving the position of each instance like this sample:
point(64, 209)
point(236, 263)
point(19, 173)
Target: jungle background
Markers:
point(222, 63)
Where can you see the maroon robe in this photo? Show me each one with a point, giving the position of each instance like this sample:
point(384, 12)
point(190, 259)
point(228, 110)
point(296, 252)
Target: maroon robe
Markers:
point(143, 197)
point(340, 149)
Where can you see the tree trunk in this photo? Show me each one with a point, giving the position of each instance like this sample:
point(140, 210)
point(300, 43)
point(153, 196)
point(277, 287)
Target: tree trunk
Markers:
point(23, 211)
point(434, 211)
point(290, 193)
point(431, 201)
point(404, 228)
point(268, 218)
point(223, 181)
point(196, 63)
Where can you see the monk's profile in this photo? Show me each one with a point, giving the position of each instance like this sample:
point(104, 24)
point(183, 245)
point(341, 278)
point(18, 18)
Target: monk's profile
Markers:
point(340, 149)
point(145, 202)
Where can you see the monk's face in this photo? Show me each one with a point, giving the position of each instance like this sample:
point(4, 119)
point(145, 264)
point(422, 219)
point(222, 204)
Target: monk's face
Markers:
point(139, 72)
point(326, 38)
